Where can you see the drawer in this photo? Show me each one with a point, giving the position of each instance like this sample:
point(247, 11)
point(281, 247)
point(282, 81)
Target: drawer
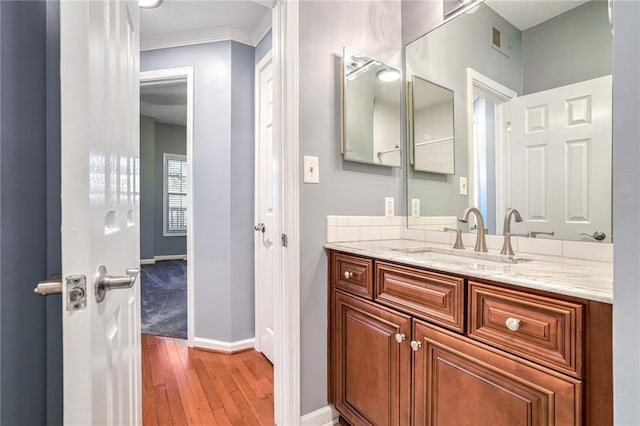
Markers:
point(352, 274)
point(434, 297)
point(542, 329)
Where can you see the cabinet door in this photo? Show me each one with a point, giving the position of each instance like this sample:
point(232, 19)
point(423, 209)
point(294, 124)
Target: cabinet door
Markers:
point(372, 361)
point(460, 382)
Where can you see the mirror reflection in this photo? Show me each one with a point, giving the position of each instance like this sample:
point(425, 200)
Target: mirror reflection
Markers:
point(371, 123)
point(531, 85)
point(432, 127)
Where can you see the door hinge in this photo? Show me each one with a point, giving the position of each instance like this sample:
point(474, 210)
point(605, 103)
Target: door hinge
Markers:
point(284, 239)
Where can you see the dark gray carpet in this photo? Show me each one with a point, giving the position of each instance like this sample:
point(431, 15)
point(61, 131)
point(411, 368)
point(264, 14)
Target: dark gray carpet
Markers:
point(164, 298)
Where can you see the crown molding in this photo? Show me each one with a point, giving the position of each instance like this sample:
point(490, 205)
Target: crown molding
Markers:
point(262, 27)
point(187, 38)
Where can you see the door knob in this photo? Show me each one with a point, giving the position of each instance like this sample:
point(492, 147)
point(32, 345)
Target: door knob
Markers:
point(260, 227)
point(596, 236)
point(105, 282)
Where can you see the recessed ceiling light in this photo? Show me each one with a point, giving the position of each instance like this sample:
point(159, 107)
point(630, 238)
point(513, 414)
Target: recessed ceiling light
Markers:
point(388, 75)
point(150, 4)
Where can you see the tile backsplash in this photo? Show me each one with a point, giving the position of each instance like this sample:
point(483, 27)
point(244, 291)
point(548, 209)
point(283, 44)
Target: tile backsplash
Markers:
point(376, 228)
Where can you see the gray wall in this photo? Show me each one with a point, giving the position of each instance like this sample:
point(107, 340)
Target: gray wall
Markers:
point(147, 186)
point(263, 47)
point(626, 205)
point(443, 58)
point(214, 146)
point(172, 140)
point(554, 52)
point(23, 206)
point(345, 188)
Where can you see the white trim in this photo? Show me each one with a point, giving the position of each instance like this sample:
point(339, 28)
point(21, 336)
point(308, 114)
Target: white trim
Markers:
point(165, 192)
point(220, 346)
point(287, 297)
point(325, 416)
point(475, 79)
point(147, 261)
point(162, 77)
point(259, 325)
point(188, 38)
point(262, 27)
point(208, 35)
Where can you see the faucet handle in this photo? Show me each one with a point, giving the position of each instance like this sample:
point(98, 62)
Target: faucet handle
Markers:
point(458, 245)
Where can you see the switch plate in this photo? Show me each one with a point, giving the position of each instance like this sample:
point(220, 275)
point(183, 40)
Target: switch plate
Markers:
point(415, 207)
point(389, 209)
point(463, 186)
point(311, 169)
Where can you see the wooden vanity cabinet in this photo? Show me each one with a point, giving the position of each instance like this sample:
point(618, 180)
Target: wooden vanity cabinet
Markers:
point(435, 349)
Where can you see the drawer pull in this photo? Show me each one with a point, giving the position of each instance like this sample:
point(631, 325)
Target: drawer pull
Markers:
point(400, 337)
point(348, 275)
point(415, 345)
point(512, 324)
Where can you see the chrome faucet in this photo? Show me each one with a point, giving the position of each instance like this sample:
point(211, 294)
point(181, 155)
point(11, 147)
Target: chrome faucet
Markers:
point(481, 243)
point(506, 231)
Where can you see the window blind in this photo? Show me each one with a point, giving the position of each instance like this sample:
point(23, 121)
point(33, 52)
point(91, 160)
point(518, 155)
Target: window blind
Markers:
point(176, 197)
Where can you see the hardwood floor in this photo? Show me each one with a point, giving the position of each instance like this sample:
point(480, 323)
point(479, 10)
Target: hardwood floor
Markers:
point(182, 386)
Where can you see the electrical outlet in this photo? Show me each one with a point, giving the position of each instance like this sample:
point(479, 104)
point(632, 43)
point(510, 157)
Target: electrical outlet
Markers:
point(311, 169)
point(389, 209)
point(463, 186)
point(415, 207)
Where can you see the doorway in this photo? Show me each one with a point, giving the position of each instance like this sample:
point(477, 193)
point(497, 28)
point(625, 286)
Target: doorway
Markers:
point(166, 225)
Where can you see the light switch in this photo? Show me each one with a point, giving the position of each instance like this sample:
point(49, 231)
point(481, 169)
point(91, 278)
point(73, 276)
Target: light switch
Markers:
point(311, 169)
point(389, 208)
point(463, 185)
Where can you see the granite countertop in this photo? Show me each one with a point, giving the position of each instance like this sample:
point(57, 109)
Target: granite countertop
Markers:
point(572, 277)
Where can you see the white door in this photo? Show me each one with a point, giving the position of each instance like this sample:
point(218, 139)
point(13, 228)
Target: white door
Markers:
point(560, 164)
point(266, 271)
point(100, 199)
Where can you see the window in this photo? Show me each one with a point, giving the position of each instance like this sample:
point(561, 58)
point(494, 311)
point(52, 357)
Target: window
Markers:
point(175, 195)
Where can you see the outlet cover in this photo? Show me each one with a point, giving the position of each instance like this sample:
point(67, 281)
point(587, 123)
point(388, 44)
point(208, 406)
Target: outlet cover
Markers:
point(389, 208)
point(415, 207)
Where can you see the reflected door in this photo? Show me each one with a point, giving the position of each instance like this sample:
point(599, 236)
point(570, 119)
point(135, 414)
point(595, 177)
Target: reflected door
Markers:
point(560, 160)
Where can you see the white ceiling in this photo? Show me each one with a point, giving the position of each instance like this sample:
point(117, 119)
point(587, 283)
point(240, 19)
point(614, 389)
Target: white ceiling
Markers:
point(166, 103)
point(198, 21)
point(525, 14)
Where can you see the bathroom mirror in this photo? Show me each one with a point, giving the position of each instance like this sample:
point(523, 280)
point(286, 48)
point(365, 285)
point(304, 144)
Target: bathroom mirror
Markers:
point(532, 87)
point(371, 123)
point(431, 127)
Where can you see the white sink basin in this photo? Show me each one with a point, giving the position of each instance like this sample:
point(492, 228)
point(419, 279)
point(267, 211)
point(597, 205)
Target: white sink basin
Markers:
point(498, 258)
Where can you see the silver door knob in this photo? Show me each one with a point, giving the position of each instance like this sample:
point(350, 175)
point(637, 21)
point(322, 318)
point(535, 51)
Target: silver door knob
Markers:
point(400, 337)
point(415, 345)
point(513, 324)
point(596, 236)
point(348, 275)
point(105, 283)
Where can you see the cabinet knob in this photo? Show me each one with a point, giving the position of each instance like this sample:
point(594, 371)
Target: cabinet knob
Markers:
point(348, 275)
point(400, 337)
point(415, 345)
point(512, 324)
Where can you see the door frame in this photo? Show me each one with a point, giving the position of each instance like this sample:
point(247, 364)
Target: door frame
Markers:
point(167, 76)
point(478, 80)
point(286, 143)
point(258, 285)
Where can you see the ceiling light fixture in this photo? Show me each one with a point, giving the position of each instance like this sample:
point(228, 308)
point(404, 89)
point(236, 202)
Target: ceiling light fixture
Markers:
point(388, 75)
point(150, 4)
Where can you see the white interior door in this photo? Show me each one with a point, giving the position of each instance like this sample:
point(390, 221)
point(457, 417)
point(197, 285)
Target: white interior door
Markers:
point(100, 210)
point(266, 270)
point(560, 146)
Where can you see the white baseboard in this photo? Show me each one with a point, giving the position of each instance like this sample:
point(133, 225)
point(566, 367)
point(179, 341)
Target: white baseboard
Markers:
point(147, 261)
point(220, 346)
point(325, 416)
